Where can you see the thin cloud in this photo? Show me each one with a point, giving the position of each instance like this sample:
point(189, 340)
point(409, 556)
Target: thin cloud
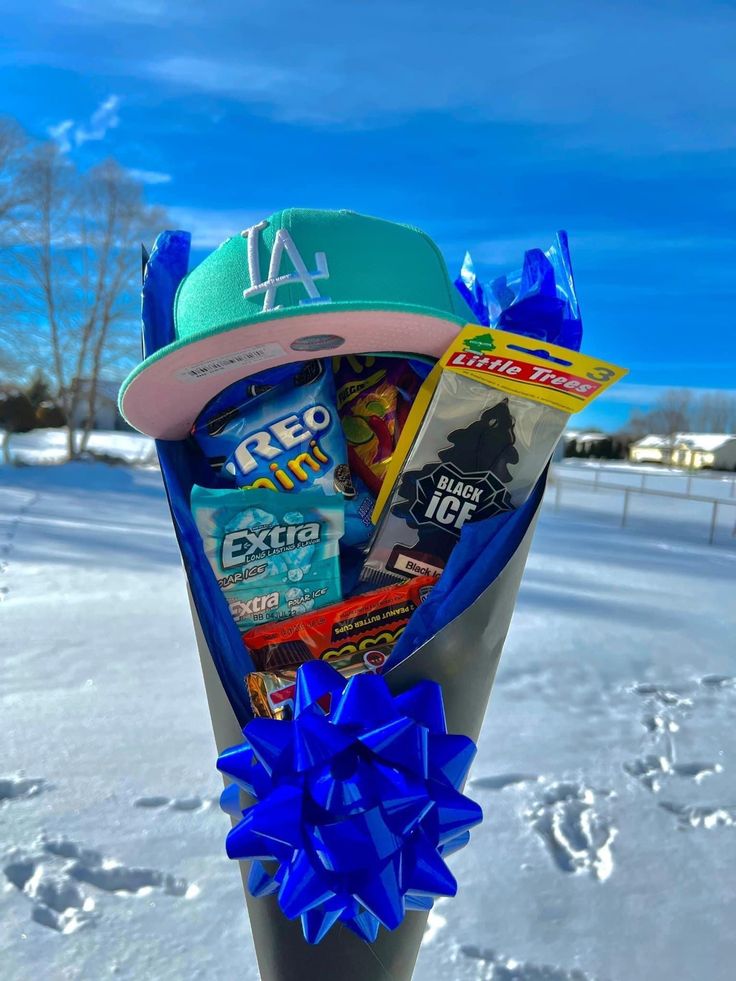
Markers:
point(631, 393)
point(628, 77)
point(62, 134)
point(149, 176)
point(211, 226)
point(104, 118)
point(69, 133)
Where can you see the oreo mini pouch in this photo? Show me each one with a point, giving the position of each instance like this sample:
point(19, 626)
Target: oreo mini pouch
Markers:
point(280, 431)
point(273, 556)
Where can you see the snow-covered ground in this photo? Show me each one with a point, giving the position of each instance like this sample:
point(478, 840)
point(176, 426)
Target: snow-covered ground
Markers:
point(44, 446)
point(606, 768)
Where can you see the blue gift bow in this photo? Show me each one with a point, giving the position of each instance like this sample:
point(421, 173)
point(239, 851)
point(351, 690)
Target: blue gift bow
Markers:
point(358, 802)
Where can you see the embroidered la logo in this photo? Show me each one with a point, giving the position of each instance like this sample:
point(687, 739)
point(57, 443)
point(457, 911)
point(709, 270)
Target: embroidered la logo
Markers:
point(282, 243)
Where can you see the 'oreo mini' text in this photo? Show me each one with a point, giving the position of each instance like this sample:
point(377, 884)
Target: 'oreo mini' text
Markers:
point(280, 437)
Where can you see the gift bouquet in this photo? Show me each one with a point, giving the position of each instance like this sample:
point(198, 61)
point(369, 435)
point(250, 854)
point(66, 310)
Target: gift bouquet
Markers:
point(354, 450)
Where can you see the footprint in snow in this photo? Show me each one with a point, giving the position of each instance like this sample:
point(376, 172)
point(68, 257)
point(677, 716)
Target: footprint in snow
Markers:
point(570, 820)
point(55, 875)
point(504, 968)
point(705, 817)
point(718, 682)
point(663, 695)
point(502, 780)
point(194, 803)
point(20, 788)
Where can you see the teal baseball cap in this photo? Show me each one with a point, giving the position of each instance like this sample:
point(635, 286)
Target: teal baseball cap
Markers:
point(301, 284)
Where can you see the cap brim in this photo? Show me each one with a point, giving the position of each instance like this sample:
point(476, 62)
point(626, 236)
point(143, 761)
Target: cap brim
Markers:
point(164, 395)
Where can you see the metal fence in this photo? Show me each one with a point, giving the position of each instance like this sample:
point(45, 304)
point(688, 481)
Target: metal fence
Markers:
point(643, 479)
point(715, 507)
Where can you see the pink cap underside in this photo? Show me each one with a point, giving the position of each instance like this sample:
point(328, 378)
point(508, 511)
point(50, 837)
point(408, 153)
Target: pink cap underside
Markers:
point(162, 404)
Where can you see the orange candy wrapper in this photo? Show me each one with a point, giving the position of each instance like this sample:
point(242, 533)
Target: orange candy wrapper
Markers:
point(373, 620)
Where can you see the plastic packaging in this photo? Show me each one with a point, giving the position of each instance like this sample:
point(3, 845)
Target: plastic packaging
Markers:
point(539, 300)
point(272, 693)
point(479, 452)
point(375, 619)
point(274, 556)
point(482, 429)
point(280, 431)
point(374, 396)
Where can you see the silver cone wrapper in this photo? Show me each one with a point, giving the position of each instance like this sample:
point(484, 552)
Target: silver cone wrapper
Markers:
point(462, 658)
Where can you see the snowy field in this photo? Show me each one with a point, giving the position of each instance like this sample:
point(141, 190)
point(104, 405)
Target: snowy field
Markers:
point(606, 768)
point(43, 446)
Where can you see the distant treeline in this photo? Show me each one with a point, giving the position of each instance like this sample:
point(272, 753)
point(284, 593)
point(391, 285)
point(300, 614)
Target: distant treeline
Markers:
point(682, 410)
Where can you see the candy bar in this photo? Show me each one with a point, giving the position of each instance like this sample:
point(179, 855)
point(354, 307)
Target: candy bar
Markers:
point(373, 394)
point(373, 620)
point(272, 693)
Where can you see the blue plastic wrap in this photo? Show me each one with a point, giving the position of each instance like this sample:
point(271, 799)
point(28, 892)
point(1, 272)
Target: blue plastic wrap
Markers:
point(537, 301)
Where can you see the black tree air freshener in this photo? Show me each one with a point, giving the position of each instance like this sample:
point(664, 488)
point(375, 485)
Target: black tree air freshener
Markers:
point(467, 482)
point(477, 440)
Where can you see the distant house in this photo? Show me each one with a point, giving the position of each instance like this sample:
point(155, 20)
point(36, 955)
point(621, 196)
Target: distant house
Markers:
point(651, 449)
point(106, 415)
point(716, 451)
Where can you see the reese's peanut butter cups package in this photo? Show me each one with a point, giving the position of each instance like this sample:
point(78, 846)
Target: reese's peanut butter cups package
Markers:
point(374, 620)
point(272, 693)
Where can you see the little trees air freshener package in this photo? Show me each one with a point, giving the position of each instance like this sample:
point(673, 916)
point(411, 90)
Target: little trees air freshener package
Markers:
point(480, 434)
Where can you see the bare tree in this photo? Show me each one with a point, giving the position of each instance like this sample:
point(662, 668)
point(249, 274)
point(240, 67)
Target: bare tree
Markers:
point(76, 265)
point(682, 410)
point(672, 411)
point(115, 219)
point(44, 271)
point(715, 412)
point(14, 146)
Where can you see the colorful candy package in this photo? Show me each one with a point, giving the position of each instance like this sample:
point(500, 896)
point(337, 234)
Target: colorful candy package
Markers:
point(374, 395)
point(272, 693)
point(274, 556)
point(373, 620)
point(280, 431)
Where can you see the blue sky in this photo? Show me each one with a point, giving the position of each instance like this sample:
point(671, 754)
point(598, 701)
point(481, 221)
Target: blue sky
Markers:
point(490, 125)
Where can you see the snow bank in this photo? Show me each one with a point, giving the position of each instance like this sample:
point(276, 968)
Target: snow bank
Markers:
point(606, 767)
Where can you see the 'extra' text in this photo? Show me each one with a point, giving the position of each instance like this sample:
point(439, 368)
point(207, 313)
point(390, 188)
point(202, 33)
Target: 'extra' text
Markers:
point(249, 544)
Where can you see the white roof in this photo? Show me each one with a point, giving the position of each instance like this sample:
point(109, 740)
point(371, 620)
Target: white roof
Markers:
point(582, 434)
point(591, 437)
point(705, 441)
point(696, 441)
point(652, 441)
